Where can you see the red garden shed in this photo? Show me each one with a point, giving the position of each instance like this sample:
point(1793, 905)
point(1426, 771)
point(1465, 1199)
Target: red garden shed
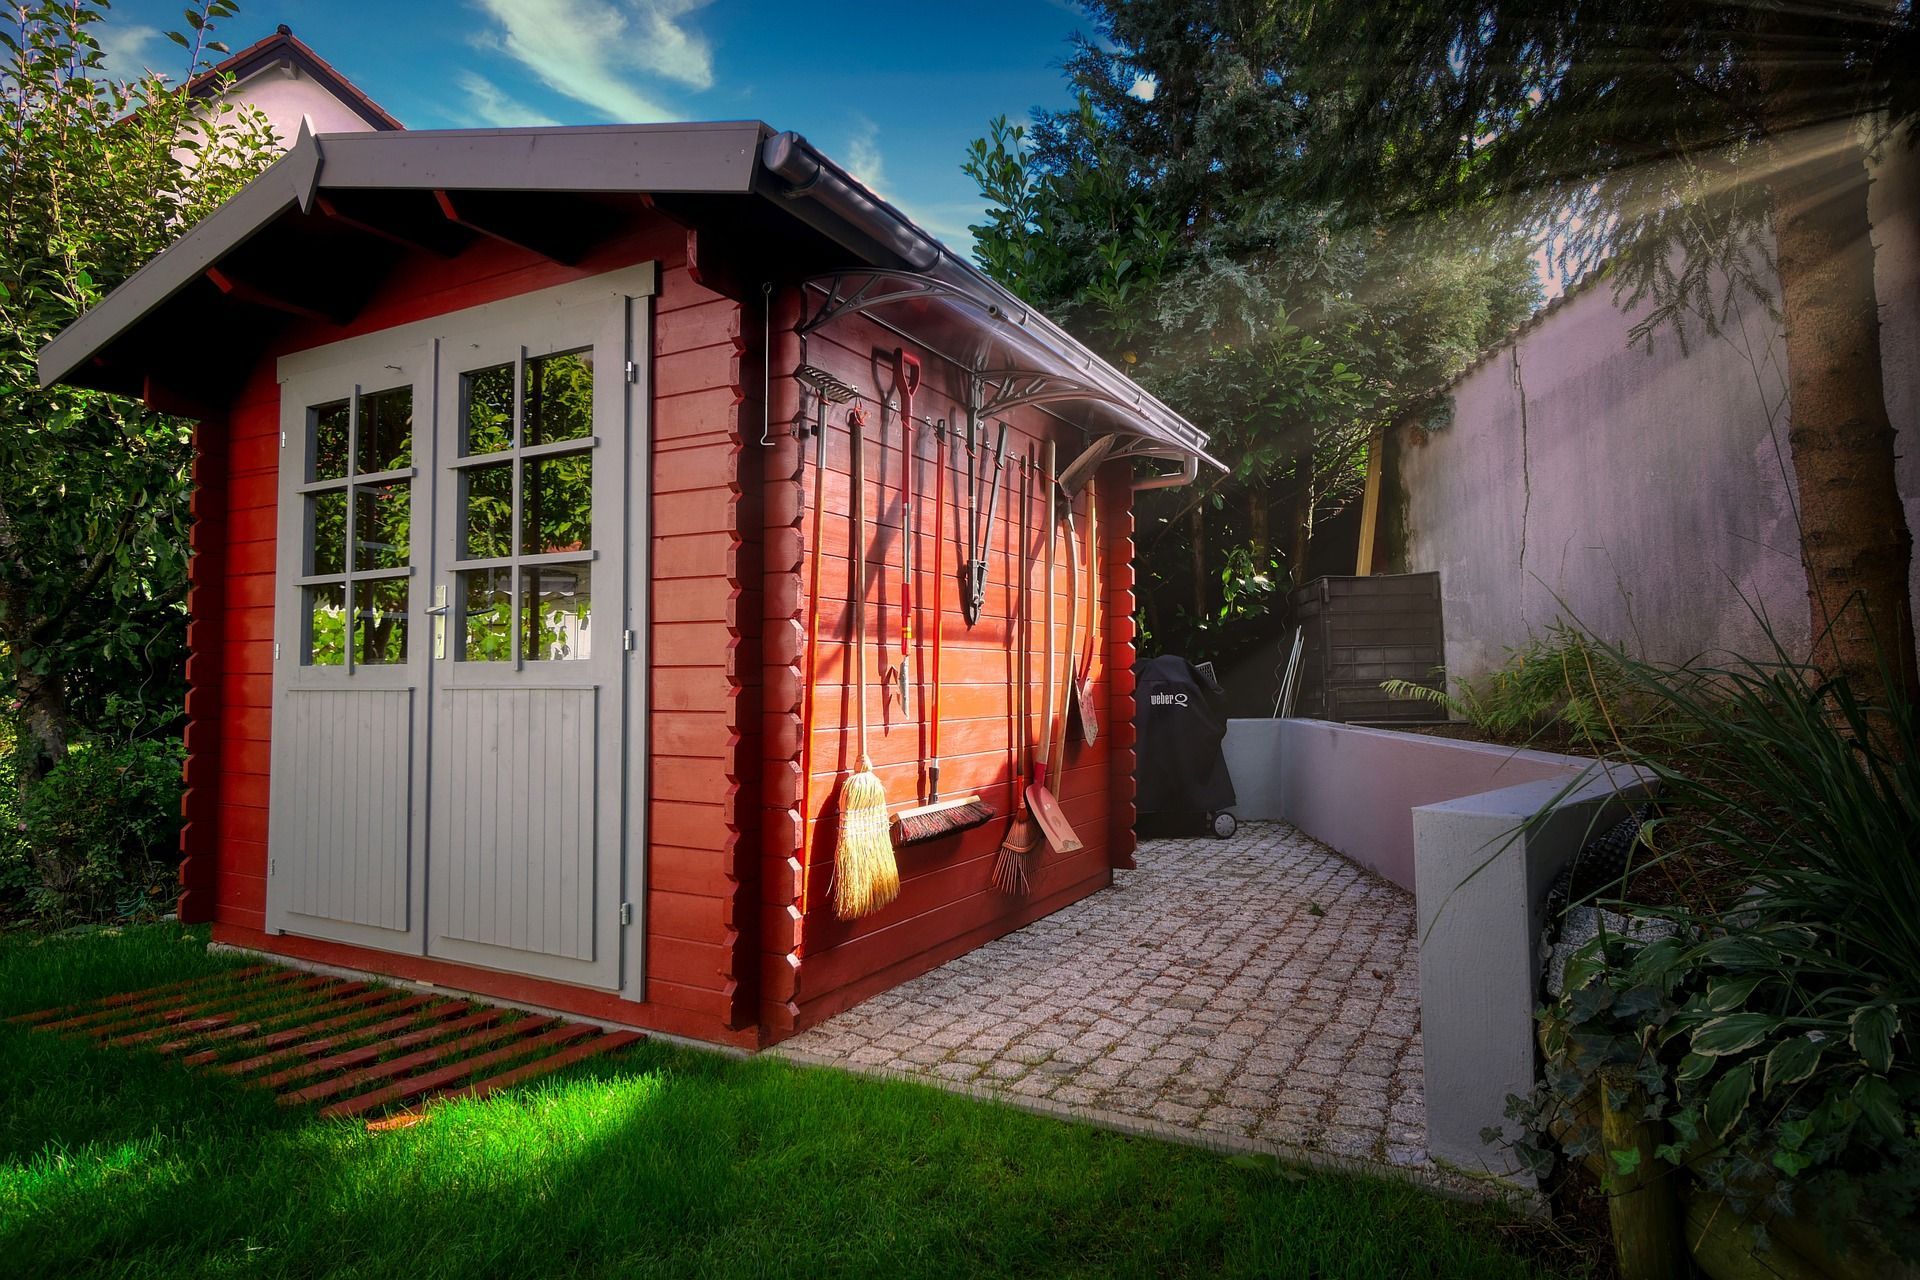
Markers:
point(503, 537)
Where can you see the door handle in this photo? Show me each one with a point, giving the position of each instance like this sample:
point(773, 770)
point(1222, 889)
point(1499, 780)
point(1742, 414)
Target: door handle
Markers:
point(438, 612)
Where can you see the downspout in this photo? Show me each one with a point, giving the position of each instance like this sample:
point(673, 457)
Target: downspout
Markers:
point(1189, 472)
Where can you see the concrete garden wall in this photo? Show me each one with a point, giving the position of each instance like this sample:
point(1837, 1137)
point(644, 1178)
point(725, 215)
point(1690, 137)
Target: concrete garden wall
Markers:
point(1355, 789)
point(1477, 833)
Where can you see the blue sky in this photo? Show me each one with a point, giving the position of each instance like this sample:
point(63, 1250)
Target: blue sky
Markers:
point(894, 91)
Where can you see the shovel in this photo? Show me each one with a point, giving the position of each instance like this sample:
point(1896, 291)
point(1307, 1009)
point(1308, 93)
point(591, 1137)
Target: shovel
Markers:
point(1040, 797)
point(1080, 689)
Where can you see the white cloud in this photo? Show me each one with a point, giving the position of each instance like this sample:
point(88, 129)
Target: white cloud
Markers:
point(488, 104)
point(128, 49)
point(864, 160)
point(602, 52)
point(1144, 87)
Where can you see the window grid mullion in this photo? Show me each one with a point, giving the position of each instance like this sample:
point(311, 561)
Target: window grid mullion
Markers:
point(348, 533)
point(518, 476)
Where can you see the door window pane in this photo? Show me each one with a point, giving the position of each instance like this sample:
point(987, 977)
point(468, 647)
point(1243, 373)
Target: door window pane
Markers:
point(486, 517)
point(380, 621)
point(329, 426)
point(556, 606)
point(489, 409)
point(560, 397)
point(382, 529)
point(328, 513)
point(386, 431)
point(556, 504)
point(326, 615)
point(486, 602)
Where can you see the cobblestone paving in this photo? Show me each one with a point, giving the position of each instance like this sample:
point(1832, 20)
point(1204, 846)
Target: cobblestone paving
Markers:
point(1258, 988)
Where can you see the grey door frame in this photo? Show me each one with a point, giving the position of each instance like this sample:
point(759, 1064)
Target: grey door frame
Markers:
point(623, 300)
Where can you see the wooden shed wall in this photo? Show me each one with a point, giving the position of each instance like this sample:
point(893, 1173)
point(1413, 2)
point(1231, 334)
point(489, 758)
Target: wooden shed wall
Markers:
point(814, 969)
point(702, 572)
point(727, 956)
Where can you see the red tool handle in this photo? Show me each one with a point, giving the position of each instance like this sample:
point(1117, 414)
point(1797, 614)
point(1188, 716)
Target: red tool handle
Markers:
point(906, 369)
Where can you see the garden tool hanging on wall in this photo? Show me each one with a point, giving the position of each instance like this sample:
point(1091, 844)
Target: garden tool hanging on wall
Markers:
point(935, 817)
point(906, 373)
point(973, 586)
point(1080, 708)
point(1010, 864)
point(865, 875)
point(1040, 795)
point(825, 388)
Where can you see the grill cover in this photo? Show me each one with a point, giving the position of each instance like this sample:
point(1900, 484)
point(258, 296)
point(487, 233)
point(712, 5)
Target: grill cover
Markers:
point(1181, 723)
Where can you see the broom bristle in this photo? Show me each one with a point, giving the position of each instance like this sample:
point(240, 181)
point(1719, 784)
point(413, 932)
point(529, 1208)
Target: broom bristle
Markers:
point(865, 876)
point(930, 822)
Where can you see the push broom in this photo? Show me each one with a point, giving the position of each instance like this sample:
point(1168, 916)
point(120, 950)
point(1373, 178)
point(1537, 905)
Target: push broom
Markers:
point(936, 817)
point(865, 876)
point(1010, 864)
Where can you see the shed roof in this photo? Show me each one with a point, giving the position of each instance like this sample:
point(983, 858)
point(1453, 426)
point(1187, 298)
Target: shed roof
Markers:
point(283, 47)
point(312, 236)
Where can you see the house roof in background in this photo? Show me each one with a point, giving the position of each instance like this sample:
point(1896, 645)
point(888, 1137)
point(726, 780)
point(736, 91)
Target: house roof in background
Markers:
point(283, 47)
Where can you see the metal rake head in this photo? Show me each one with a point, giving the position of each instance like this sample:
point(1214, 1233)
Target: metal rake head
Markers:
point(824, 384)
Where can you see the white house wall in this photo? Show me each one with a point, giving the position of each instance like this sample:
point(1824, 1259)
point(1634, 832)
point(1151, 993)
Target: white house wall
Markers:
point(1643, 493)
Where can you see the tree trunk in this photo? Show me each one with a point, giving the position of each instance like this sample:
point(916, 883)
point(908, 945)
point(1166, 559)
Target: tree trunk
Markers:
point(45, 727)
point(1300, 524)
point(1855, 543)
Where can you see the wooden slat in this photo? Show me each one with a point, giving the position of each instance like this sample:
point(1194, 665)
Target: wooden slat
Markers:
point(532, 1070)
point(441, 1026)
point(295, 1039)
point(221, 1017)
point(425, 1058)
point(414, 1086)
point(199, 1002)
point(236, 1030)
point(130, 1001)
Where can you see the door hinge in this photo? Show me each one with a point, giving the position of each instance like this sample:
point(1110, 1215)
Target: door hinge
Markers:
point(627, 640)
point(283, 439)
point(626, 913)
point(633, 372)
point(276, 651)
point(273, 865)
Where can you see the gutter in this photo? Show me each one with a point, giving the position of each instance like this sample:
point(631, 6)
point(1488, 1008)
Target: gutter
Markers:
point(810, 176)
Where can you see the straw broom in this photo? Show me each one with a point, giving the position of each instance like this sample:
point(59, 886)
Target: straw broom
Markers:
point(865, 876)
point(1010, 863)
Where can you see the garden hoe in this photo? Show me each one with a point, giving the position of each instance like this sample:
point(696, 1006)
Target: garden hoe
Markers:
point(936, 817)
point(1040, 798)
point(865, 875)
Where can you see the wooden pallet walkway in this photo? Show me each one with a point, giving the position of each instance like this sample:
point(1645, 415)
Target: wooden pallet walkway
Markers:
point(356, 1049)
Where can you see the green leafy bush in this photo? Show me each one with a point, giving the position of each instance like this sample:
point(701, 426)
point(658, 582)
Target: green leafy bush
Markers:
point(100, 833)
point(1561, 684)
point(1774, 1035)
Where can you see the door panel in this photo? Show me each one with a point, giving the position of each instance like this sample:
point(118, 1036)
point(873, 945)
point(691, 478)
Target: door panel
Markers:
point(345, 836)
point(525, 845)
point(517, 819)
point(356, 858)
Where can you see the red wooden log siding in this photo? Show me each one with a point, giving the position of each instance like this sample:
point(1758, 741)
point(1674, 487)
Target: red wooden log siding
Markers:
point(727, 959)
point(813, 969)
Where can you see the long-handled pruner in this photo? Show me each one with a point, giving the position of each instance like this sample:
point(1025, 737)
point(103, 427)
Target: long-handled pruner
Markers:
point(980, 531)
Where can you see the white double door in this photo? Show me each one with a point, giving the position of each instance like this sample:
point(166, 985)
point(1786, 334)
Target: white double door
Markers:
point(456, 670)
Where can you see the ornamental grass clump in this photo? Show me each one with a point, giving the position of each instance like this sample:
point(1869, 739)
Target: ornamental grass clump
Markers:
point(1774, 1033)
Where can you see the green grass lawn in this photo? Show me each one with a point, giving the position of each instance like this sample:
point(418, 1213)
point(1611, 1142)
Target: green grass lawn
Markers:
point(660, 1161)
